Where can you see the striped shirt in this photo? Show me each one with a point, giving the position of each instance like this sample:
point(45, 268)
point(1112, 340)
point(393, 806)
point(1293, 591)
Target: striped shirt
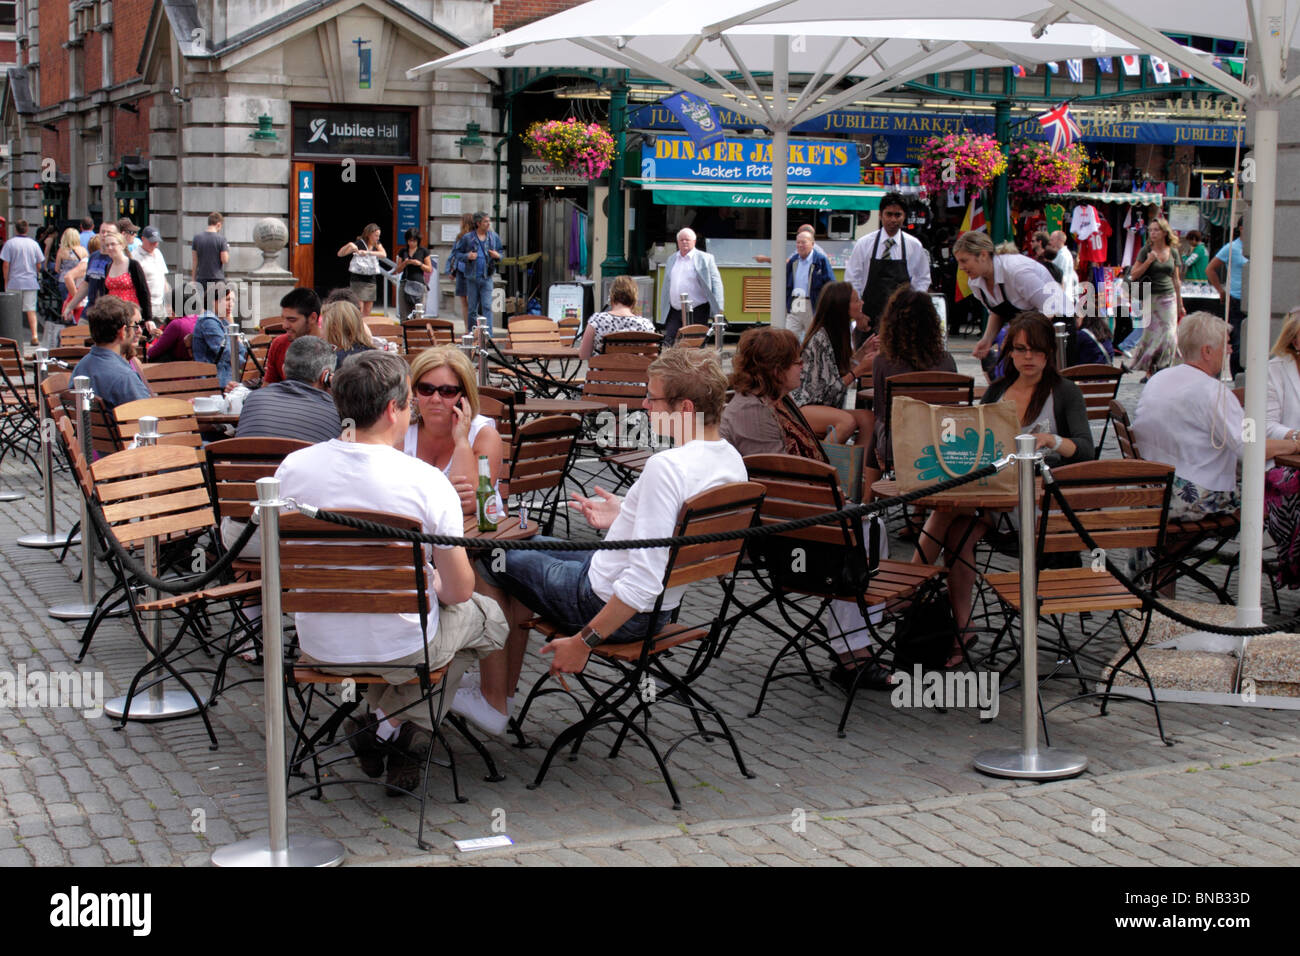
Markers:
point(289, 409)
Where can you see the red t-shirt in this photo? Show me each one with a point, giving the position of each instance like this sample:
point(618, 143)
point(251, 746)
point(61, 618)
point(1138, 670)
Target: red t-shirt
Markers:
point(275, 358)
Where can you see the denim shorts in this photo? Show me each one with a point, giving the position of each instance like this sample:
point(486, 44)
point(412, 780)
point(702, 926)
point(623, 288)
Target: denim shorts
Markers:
point(556, 586)
point(460, 285)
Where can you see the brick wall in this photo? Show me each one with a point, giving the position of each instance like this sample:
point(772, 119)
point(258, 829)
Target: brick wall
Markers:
point(515, 13)
point(55, 145)
point(54, 59)
point(131, 131)
point(130, 20)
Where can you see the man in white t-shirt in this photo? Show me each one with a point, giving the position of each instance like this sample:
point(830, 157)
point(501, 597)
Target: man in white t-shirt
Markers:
point(366, 471)
point(600, 596)
point(150, 256)
point(23, 258)
point(1191, 420)
point(1057, 243)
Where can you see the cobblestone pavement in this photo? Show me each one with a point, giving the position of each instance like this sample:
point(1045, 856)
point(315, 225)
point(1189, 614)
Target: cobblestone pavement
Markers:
point(899, 788)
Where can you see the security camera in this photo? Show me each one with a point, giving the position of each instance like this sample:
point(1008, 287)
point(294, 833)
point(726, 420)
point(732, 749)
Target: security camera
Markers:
point(176, 95)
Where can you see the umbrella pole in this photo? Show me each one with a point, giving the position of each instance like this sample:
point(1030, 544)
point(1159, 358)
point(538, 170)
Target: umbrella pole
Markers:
point(780, 161)
point(1262, 212)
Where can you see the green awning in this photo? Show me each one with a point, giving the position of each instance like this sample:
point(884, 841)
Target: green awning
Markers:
point(679, 192)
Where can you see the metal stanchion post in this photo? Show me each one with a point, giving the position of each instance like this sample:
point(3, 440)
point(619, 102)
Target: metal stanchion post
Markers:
point(233, 337)
point(86, 609)
point(719, 327)
point(1062, 338)
point(161, 703)
point(49, 538)
point(1030, 762)
point(277, 848)
point(484, 335)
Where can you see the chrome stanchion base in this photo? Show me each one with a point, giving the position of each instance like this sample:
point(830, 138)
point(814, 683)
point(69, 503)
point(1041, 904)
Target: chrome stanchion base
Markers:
point(47, 542)
point(12, 495)
point(80, 612)
point(1042, 764)
point(174, 703)
point(303, 851)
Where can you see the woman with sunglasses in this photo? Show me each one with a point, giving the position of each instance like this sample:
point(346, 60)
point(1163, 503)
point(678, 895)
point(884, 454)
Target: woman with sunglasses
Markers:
point(450, 434)
point(1052, 409)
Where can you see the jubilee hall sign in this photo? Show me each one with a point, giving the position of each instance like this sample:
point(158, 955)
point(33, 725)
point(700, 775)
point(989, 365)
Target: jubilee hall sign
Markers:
point(369, 133)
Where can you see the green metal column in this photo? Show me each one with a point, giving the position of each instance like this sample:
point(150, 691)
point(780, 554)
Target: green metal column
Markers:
point(615, 263)
point(997, 216)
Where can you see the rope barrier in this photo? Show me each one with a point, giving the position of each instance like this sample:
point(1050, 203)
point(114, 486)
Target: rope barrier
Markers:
point(165, 585)
point(852, 512)
point(1149, 596)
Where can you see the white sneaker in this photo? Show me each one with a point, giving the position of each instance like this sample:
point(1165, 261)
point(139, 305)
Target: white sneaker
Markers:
point(470, 703)
point(473, 678)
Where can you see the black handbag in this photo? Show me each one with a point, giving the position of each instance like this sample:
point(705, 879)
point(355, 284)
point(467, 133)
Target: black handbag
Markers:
point(926, 632)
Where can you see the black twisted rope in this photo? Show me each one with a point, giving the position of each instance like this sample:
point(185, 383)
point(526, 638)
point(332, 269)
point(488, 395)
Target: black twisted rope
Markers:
point(1137, 592)
point(852, 512)
point(166, 585)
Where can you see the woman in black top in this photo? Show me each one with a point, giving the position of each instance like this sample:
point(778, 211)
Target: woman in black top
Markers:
point(413, 260)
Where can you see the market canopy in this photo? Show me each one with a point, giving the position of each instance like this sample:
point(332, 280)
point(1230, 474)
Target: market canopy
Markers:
point(691, 192)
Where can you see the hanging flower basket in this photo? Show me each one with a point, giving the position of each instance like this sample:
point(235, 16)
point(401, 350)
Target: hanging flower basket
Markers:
point(1037, 171)
point(961, 161)
point(569, 146)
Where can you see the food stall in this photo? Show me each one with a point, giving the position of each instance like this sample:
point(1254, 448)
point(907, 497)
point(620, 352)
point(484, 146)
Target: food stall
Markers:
point(735, 174)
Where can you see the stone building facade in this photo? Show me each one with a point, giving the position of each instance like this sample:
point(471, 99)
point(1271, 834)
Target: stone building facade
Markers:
point(178, 88)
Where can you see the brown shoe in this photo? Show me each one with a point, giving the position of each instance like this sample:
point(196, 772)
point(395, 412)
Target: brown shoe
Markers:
point(407, 760)
point(366, 744)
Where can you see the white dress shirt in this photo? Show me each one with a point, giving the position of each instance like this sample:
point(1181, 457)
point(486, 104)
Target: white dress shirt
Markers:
point(684, 279)
point(858, 268)
point(1028, 283)
point(1069, 278)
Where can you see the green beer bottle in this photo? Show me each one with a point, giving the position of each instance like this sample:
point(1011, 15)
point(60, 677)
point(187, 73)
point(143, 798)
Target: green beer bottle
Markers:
point(487, 497)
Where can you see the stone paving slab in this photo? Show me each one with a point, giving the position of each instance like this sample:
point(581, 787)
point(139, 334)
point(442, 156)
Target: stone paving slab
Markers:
point(898, 789)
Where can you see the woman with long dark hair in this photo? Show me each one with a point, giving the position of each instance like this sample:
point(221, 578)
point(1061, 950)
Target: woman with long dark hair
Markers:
point(363, 270)
point(830, 365)
point(911, 340)
point(1050, 407)
point(412, 259)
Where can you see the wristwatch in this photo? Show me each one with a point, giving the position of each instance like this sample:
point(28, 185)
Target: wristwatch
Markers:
point(590, 636)
point(1056, 446)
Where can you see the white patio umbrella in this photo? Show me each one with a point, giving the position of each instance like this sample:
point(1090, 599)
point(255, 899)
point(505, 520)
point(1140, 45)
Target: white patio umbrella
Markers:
point(1269, 26)
point(804, 64)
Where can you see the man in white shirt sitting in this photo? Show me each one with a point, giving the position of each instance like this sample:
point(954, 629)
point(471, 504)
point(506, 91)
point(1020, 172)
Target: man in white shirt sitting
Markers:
point(607, 596)
point(365, 471)
point(1187, 418)
point(694, 274)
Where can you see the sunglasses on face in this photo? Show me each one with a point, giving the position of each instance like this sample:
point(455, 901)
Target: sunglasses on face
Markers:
point(425, 390)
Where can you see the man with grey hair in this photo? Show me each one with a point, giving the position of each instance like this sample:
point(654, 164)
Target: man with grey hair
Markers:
point(1190, 419)
point(299, 406)
point(694, 274)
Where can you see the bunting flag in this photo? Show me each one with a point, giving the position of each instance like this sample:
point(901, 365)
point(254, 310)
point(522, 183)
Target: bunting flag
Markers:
point(1054, 66)
point(974, 219)
point(1063, 127)
point(1184, 74)
point(1159, 69)
point(1106, 64)
point(1076, 70)
point(1132, 64)
point(1018, 70)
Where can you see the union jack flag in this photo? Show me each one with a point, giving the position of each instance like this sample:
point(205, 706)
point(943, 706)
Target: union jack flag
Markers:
point(1064, 129)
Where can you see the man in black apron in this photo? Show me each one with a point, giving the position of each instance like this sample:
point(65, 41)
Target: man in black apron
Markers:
point(884, 260)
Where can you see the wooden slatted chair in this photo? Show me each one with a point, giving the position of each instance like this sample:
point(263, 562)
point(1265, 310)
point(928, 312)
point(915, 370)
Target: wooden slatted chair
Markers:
point(840, 565)
point(620, 382)
point(692, 336)
point(20, 421)
point(388, 331)
point(187, 380)
point(540, 459)
point(1120, 504)
point(633, 342)
point(255, 357)
point(74, 335)
point(1123, 430)
point(177, 424)
point(161, 492)
point(625, 668)
point(525, 330)
point(271, 325)
point(1100, 386)
point(569, 327)
point(936, 388)
point(420, 334)
point(329, 566)
point(71, 354)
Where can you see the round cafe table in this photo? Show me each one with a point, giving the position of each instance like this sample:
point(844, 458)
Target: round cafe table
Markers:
point(971, 501)
point(507, 529)
point(559, 406)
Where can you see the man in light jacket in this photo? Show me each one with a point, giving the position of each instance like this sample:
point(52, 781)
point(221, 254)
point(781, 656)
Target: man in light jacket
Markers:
point(692, 273)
